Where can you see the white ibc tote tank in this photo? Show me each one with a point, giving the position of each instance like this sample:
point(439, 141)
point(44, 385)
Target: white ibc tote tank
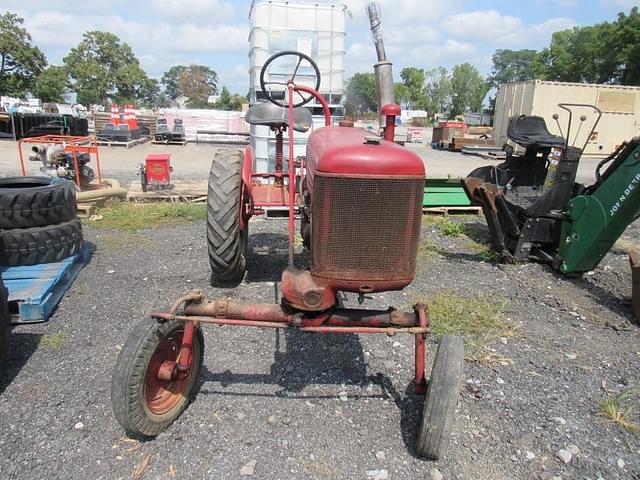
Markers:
point(316, 29)
point(313, 28)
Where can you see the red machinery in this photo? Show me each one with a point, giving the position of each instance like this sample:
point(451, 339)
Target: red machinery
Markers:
point(360, 202)
point(155, 174)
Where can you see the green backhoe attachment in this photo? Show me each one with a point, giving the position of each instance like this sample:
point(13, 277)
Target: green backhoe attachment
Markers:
point(596, 219)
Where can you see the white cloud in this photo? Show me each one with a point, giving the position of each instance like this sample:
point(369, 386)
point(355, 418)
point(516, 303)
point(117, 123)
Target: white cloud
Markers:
point(52, 29)
point(503, 31)
point(209, 11)
point(480, 24)
point(402, 12)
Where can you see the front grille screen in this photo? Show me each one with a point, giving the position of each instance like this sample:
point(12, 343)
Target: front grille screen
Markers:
point(365, 228)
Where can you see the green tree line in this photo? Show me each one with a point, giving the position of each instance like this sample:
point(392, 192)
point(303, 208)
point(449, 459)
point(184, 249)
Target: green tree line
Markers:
point(101, 68)
point(608, 52)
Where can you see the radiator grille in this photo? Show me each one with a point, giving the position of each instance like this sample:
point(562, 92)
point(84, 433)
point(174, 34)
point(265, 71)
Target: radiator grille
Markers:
point(365, 228)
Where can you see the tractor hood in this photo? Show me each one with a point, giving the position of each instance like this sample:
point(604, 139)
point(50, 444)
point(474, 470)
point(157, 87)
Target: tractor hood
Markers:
point(347, 151)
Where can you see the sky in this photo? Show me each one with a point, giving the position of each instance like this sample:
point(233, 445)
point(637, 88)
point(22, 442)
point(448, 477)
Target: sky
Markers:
point(420, 33)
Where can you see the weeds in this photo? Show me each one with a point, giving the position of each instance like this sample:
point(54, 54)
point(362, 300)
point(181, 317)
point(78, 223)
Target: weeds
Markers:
point(132, 217)
point(478, 319)
point(488, 255)
point(623, 409)
point(445, 226)
point(450, 229)
point(54, 340)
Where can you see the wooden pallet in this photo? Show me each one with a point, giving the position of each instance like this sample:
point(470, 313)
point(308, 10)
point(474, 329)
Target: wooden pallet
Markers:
point(190, 191)
point(172, 142)
point(85, 210)
point(129, 144)
point(464, 210)
point(35, 290)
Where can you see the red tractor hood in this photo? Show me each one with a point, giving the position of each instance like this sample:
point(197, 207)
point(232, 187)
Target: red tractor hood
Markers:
point(344, 151)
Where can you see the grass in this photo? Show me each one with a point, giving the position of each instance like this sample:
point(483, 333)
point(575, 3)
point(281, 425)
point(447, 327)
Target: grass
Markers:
point(427, 250)
point(54, 340)
point(623, 409)
point(132, 217)
point(479, 319)
point(115, 243)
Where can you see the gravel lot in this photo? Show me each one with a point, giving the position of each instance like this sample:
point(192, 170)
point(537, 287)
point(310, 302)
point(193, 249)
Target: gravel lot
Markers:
point(277, 399)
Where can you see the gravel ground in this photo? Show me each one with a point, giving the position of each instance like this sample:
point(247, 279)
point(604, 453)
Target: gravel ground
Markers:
point(274, 402)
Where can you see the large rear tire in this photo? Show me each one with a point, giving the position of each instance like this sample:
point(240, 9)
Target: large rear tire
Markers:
point(441, 398)
point(227, 242)
point(142, 403)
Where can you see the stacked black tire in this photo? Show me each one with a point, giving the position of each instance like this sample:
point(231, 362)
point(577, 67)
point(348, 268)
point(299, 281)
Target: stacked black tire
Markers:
point(38, 220)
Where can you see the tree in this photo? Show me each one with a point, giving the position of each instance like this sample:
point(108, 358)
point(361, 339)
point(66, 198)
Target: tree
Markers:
point(227, 101)
point(602, 53)
point(413, 79)
point(361, 94)
point(625, 41)
point(512, 66)
point(437, 90)
point(103, 67)
point(468, 89)
point(20, 62)
point(170, 81)
point(196, 82)
point(51, 85)
point(574, 56)
point(402, 95)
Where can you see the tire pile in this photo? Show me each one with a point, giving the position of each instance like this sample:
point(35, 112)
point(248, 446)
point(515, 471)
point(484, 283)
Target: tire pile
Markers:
point(38, 220)
point(38, 224)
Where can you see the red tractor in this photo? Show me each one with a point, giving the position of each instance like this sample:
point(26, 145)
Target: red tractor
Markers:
point(359, 198)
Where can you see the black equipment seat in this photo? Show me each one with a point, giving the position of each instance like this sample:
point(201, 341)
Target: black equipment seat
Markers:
point(178, 127)
point(161, 126)
point(275, 116)
point(531, 131)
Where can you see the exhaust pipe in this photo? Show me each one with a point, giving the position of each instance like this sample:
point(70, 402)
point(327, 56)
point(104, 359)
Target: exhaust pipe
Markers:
point(383, 69)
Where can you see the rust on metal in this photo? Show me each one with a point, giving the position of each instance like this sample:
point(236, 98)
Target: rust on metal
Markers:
point(193, 295)
point(420, 383)
point(374, 248)
point(304, 293)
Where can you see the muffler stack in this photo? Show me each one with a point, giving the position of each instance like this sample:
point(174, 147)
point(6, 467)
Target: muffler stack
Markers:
point(383, 69)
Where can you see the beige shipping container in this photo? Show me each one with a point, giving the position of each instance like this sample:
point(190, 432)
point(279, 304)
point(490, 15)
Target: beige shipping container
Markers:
point(620, 107)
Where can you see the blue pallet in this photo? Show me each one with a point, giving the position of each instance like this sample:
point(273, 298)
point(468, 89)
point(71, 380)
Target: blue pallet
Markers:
point(35, 290)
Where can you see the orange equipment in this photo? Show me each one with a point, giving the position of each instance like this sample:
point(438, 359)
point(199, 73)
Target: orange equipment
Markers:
point(71, 144)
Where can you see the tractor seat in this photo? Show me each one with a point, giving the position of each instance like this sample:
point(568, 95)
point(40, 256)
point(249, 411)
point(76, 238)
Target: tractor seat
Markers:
point(275, 116)
point(531, 131)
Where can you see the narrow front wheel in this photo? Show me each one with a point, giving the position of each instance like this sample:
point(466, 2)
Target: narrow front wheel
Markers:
point(441, 398)
point(143, 402)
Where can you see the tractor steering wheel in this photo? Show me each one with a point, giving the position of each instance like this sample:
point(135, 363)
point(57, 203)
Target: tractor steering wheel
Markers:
point(302, 58)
